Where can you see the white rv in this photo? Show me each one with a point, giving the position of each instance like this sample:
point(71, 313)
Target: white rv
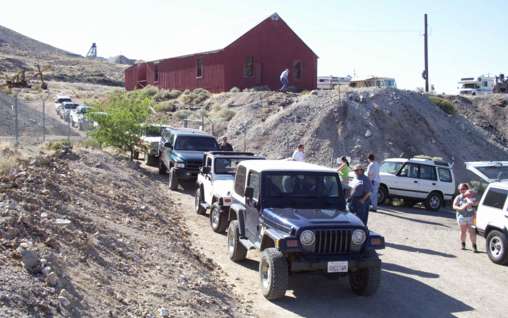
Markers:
point(329, 82)
point(476, 85)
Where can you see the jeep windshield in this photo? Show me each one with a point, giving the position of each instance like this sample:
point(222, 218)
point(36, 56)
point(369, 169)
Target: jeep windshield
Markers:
point(153, 131)
point(228, 165)
point(302, 190)
point(196, 143)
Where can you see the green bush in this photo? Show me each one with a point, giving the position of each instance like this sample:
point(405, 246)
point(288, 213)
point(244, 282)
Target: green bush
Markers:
point(57, 145)
point(196, 96)
point(120, 126)
point(164, 95)
point(444, 104)
point(183, 114)
point(226, 114)
point(166, 106)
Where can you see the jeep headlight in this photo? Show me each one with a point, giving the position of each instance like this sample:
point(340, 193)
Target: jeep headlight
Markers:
point(307, 238)
point(180, 164)
point(358, 237)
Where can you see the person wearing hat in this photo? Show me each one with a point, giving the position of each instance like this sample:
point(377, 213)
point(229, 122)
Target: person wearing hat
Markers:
point(225, 145)
point(358, 202)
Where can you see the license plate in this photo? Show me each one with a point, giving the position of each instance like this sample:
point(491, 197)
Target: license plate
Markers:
point(338, 267)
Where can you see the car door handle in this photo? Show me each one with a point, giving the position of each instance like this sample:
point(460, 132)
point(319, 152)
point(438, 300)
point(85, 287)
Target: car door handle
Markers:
point(415, 181)
point(433, 183)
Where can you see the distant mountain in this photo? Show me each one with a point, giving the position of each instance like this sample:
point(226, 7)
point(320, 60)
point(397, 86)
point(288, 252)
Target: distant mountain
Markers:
point(13, 42)
point(20, 52)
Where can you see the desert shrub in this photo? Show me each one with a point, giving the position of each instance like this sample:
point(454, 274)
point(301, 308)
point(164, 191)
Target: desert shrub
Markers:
point(120, 127)
point(166, 106)
point(444, 104)
point(164, 95)
point(183, 114)
point(57, 145)
point(226, 114)
point(150, 91)
point(234, 90)
point(196, 96)
point(89, 144)
point(7, 164)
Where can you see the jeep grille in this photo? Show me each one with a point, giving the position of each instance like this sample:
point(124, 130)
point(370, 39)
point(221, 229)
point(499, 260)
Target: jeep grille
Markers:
point(193, 164)
point(333, 241)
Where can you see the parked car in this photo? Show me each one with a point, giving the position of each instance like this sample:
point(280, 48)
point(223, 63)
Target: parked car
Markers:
point(78, 118)
point(149, 143)
point(61, 99)
point(417, 180)
point(294, 214)
point(215, 184)
point(492, 213)
point(181, 153)
point(65, 109)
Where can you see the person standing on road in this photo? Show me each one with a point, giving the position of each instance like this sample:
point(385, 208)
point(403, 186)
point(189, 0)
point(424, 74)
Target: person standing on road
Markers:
point(298, 154)
point(284, 80)
point(343, 170)
point(465, 204)
point(225, 145)
point(360, 191)
point(373, 175)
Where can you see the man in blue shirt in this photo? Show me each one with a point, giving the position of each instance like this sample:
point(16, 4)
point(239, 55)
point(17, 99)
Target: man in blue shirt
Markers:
point(358, 202)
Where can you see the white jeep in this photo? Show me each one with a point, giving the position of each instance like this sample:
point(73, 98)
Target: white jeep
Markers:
point(215, 183)
point(426, 180)
point(492, 213)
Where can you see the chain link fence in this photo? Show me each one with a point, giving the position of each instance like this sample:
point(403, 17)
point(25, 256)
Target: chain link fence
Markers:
point(32, 122)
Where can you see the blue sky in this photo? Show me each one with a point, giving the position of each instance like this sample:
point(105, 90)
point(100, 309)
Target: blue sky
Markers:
point(383, 38)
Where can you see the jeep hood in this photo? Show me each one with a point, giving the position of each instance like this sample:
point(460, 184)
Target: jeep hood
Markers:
point(489, 171)
point(183, 155)
point(287, 218)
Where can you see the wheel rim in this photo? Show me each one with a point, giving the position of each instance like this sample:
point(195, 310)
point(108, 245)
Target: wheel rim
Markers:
point(231, 242)
point(435, 202)
point(215, 217)
point(265, 274)
point(197, 199)
point(496, 247)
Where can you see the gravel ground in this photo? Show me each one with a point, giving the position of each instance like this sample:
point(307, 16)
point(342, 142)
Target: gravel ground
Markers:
point(425, 273)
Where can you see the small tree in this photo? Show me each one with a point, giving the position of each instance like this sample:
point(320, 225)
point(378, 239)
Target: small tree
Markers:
point(119, 120)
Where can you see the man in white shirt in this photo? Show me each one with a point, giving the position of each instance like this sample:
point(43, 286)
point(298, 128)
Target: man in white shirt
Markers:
point(298, 154)
point(373, 175)
point(284, 80)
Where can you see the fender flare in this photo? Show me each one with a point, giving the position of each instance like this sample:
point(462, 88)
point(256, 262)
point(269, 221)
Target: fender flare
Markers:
point(237, 211)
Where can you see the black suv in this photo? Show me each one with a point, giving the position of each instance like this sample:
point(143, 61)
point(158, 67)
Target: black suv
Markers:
point(294, 213)
point(181, 153)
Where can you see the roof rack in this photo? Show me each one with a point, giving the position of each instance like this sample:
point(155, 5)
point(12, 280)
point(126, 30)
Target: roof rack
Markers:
point(232, 153)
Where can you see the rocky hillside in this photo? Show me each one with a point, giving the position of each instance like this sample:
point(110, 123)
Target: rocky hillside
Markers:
point(19, 52)
point(386, 122)
point(91, 235)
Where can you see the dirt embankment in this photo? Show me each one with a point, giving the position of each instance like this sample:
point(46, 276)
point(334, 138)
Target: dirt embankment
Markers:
point(88, 234)
point(386, 122)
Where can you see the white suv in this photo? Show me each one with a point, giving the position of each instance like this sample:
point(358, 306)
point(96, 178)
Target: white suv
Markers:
point(417, 180)
point(492, 213)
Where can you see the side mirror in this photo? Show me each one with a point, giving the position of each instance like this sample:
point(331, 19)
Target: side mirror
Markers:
point(168, 145)
point(249, 193)
point(205, 170)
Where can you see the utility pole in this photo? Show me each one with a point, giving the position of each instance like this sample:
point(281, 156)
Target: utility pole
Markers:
point(16, 128)
point(426, 54)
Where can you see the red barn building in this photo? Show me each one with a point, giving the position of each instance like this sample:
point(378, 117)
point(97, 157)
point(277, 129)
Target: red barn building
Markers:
point(255, 59)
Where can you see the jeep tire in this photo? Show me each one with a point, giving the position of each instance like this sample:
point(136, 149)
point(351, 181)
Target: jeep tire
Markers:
point(382, 194)
point(150, 160)
point(496, 245)
point(365, 281)
point(236, 251)
point(218, 219)
point(198, 199)
point(273, 273)
point(434, 201)
point(162, 168)
point(173, 180)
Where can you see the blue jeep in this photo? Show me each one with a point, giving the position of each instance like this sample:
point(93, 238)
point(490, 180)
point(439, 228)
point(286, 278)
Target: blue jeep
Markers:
point(181, 153)
point(294, 213)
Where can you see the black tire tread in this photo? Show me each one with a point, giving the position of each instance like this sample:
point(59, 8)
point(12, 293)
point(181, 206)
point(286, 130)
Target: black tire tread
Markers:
point(240, 252)
point(278, 266)
point(503, 260)
point(223, 221)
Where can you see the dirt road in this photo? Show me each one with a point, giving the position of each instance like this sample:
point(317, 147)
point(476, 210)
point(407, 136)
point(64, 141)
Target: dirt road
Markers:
point(425, 274)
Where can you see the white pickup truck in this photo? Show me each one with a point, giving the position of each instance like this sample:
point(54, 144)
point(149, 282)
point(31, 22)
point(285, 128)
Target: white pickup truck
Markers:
point(215, 183)
point(492, 213)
